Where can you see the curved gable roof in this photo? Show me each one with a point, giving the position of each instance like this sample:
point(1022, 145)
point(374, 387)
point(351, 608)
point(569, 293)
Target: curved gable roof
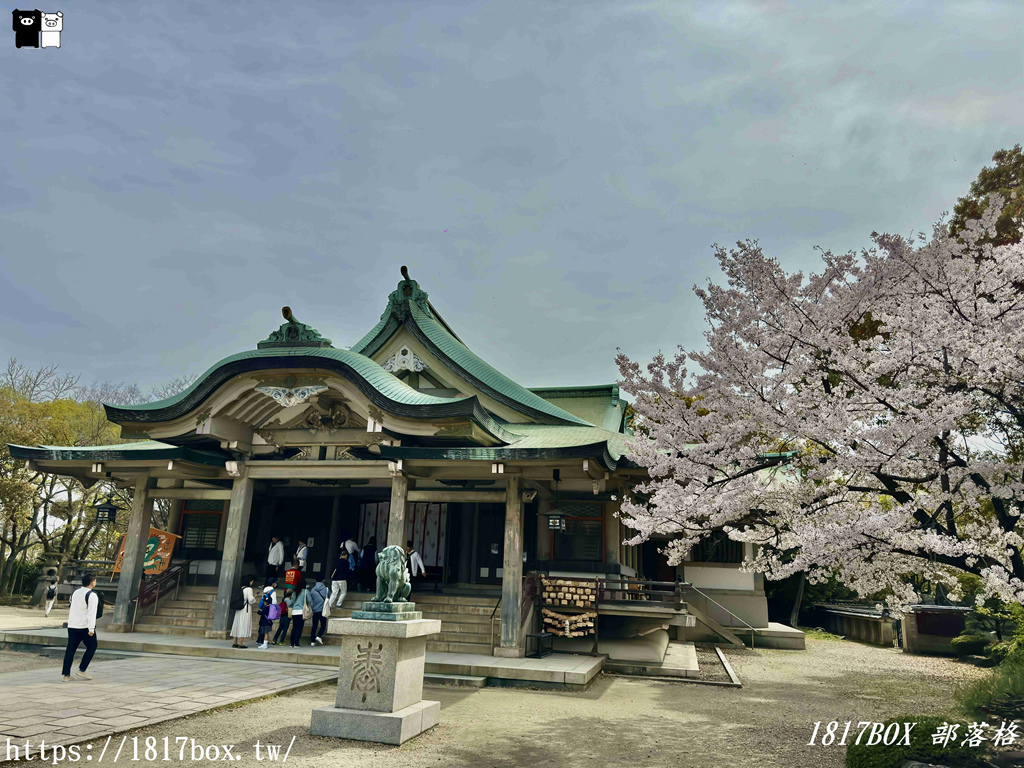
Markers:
point(408, 306)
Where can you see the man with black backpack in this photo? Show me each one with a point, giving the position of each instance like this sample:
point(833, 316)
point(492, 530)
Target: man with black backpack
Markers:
point(85, 609)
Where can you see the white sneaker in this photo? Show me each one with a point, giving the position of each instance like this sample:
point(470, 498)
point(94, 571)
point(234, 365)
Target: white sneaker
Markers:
point(262, 646)
point(312, 644)
point(82, 675)
point(65, 678)
point(319, 641)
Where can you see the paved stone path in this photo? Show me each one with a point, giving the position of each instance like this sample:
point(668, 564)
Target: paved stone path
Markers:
point(133, 693)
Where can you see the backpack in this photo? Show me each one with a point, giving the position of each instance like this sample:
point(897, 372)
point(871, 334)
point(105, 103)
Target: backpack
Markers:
point(265, 602)
point(51, 592)
point(273, 612)
point(99, 608)
point(238, 602)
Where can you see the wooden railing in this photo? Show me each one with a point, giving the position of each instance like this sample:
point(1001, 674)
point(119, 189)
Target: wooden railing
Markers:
point(625, 590)
point(151, 590)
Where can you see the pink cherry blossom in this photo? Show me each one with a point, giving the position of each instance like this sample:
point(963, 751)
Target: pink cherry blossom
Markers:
point(889, 476)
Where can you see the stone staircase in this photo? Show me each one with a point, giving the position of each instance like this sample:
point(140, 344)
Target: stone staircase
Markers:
point(465, 620)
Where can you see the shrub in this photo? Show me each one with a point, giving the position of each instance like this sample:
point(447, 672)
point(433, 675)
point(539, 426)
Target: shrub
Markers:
point(999, 651)
point(1001, 694)
point(970, 645)
point(920, 749)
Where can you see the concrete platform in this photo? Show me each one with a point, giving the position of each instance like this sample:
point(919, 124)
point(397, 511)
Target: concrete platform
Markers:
point(558, 671)
point(680, 661)
point(779, 636)
point(378, 727)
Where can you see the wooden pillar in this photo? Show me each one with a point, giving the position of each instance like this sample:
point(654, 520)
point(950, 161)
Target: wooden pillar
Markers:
point(465, 569)
point(474, 561)
point(174, 516)
point(543, 534)
point(135, 541)
point(396, 519)
point(612, 536)
point(333, 543)
point(512, 570)
point(239, 510)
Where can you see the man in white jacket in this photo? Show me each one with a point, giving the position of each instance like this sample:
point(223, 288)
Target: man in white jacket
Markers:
point(275, 557)
point(82, 627)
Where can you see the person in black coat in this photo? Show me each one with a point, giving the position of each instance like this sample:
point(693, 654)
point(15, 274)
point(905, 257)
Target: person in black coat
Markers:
point(368, 566)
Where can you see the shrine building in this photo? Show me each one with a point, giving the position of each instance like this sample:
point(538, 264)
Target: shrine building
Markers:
point(405, 435)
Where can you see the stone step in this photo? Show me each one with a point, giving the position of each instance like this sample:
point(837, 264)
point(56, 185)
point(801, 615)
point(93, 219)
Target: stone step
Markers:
point(462, 637)
point(190, 613)
point(164, 629)
point(462, 681)
point(200, 590)
point(173, 621)
point(460, 618)
point(193, 605)
point(444, 647)
point(202, 597)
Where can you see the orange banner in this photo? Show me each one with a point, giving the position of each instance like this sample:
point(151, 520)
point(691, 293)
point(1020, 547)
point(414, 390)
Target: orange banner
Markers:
point(158, 552)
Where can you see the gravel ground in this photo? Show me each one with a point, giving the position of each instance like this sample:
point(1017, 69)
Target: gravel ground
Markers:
point(710, 666)
point(19, 617)
point(10, 661)
point(766, 723)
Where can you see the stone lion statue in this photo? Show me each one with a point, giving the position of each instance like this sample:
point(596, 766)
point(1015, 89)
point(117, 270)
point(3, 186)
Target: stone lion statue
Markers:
point(392, 576)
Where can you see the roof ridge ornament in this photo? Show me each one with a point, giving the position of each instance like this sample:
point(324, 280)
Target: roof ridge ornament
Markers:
point(408, 291)
point(293, 334)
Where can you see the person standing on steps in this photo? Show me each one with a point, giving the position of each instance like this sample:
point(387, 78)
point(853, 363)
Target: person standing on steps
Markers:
point(286, 618)
point(414, 561)
point(268, 599)
point(275, 557)
point(339, 578)
point(241, 627)
point(300, 608)
point(317, 597)
point(368, 566)
point(81, 627)
point(301, 553)
point(353, 552)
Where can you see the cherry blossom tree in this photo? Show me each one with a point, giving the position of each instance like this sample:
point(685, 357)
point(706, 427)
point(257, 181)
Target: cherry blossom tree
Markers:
point(866, 422)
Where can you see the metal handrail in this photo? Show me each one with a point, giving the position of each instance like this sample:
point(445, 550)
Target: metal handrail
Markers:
point(146, 588)
point(706, 597)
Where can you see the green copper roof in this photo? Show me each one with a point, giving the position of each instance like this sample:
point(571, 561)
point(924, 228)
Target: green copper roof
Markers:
point(388, 385)
point(144, 450)
point(408, 305)
point(600, 404)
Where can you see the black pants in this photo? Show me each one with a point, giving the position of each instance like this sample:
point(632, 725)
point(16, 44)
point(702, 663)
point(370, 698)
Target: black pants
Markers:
point(75, 637)
point(272, 570)
point(297, 624)
point(318, 622)
point(282, 627)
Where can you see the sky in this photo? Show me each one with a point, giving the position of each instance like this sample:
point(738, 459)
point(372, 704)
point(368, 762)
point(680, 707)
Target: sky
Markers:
point(554, 175)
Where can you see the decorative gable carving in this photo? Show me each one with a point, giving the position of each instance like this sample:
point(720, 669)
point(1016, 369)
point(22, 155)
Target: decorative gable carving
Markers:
point(404, 360)
point(288, 397)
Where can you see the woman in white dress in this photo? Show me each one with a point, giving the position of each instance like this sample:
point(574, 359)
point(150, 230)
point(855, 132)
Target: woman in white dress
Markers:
point(241, 627)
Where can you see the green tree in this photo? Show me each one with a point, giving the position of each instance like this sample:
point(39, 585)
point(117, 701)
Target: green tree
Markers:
point(1005, 178)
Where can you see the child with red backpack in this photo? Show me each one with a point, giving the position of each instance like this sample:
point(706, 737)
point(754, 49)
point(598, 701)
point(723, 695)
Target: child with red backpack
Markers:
point(268, 607)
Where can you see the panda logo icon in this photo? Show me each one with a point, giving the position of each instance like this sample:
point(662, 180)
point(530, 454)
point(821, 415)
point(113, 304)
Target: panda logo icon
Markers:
point(27, 25)
point(53, 23)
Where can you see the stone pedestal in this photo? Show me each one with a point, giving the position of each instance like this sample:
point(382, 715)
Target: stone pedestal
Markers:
point(380, 676)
